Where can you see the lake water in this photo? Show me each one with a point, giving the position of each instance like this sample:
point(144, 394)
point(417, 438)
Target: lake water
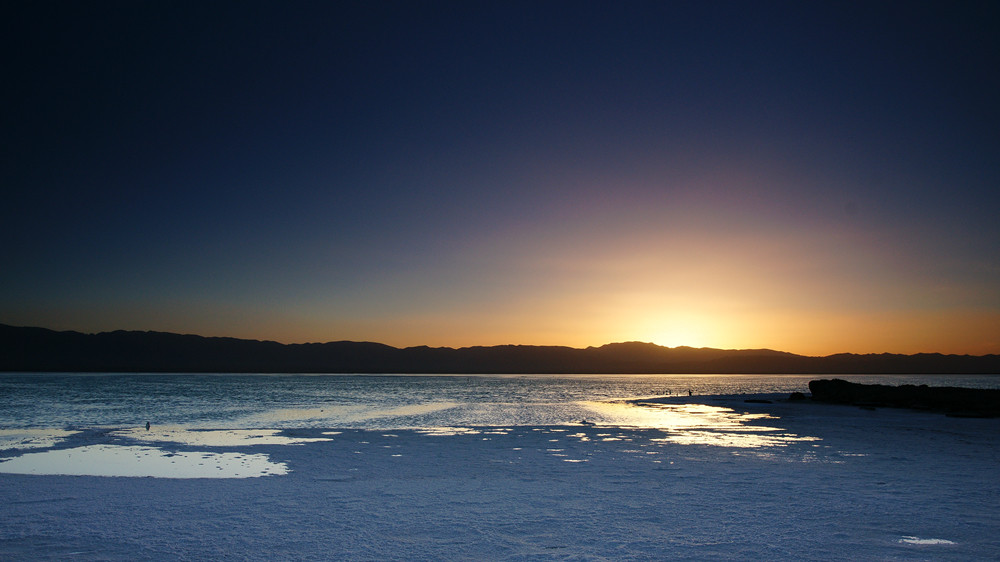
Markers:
point(234, 401)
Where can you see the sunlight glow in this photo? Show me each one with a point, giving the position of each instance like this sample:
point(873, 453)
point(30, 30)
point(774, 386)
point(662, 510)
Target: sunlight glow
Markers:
point(670, 326)
point(687, 331)
point(699, 424)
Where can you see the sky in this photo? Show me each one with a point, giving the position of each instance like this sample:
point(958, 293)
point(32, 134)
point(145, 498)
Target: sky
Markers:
point(813, 177)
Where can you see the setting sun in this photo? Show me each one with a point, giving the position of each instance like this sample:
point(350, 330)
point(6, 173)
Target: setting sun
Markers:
point(674, 330)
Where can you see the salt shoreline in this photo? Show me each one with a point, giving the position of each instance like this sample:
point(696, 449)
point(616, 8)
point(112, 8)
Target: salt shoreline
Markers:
point(876, 484)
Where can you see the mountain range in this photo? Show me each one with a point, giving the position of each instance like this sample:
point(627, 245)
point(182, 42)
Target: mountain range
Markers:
point(39, 349)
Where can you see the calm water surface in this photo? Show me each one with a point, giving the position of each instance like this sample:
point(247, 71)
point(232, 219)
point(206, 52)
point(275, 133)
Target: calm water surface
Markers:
point(234, 401)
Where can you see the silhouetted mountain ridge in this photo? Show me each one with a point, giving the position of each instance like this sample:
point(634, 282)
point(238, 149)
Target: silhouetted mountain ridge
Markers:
point(41, 349)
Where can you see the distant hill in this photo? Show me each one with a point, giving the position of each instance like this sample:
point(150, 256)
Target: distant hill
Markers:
point(40, 349)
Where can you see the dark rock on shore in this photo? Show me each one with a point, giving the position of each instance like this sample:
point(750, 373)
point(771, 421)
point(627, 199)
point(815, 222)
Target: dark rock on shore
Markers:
point(968, 402)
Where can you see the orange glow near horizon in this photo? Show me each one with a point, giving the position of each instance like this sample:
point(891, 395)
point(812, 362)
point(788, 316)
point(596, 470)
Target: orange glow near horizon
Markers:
point(697, 283)
point(735, 300)
point(819, 333)
point(950, 332)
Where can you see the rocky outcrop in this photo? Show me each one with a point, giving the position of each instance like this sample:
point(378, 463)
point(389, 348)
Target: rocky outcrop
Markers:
point(952, 400)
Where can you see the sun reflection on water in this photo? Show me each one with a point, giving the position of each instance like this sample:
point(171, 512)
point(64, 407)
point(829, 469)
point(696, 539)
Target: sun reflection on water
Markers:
point(697, 424)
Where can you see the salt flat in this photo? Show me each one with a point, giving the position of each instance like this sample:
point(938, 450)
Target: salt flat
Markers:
point(828, 482)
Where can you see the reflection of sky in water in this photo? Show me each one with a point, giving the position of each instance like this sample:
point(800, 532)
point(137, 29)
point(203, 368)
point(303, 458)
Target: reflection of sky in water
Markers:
point(422, 415)
point(214, 438)
point(32, 438)
point(917, 540)
point(117, 460)
point(343, 415)
point(449, 430)
point(697, 424)
point(132, 460)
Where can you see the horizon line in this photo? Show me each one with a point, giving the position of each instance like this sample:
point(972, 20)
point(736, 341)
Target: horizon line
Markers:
point(639, 342)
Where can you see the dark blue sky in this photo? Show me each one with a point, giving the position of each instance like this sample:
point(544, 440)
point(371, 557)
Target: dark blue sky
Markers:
point(809, 176)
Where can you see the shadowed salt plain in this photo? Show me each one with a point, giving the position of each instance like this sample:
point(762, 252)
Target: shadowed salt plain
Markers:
point(700, 478)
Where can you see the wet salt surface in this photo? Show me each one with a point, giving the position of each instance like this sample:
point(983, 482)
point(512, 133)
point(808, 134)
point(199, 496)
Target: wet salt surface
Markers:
point(825, 482)
point(680, 422)
point(32, 438)
point(118, 460)
point(214, 438)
